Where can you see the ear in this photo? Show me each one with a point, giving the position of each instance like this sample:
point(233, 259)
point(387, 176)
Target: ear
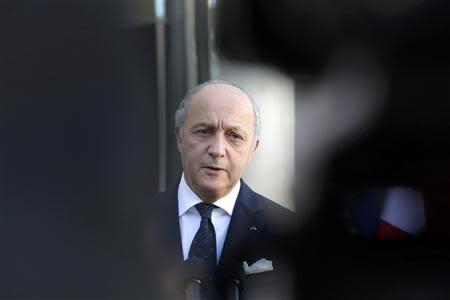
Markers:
point(177, 137)
point(256, 145)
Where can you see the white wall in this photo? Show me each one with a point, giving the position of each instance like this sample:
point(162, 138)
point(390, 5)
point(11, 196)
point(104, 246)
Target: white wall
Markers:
point(272, 171)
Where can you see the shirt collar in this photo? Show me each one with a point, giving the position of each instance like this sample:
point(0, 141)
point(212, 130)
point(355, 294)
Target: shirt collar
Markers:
point(187, 198)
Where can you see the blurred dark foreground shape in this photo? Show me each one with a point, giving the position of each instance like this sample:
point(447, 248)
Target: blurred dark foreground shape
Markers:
point(373, 81)
point(76, 101)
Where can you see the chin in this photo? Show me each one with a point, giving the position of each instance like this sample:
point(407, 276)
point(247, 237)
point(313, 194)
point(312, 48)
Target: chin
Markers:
point(210, 190)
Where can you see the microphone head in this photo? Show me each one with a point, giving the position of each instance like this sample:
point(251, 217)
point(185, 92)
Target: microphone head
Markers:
point(229, 271)
point(194, 269)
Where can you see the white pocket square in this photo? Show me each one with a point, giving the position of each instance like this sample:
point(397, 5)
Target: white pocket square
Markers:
point(262, 265)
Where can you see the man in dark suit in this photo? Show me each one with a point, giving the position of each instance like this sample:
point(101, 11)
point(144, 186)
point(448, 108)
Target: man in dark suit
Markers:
point(211, 214)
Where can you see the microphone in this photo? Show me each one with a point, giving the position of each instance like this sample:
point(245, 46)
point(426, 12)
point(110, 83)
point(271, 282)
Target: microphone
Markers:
point(195, 274)
point(230, 278)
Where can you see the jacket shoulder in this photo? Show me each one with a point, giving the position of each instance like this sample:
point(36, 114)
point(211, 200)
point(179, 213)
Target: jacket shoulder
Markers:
point(274, 209)
point(170, 192)
point(279, 221)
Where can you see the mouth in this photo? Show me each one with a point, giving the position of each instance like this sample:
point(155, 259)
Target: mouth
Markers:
point(213, 168)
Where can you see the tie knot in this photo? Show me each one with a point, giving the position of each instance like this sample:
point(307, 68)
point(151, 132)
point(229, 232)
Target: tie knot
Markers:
point(205, 209)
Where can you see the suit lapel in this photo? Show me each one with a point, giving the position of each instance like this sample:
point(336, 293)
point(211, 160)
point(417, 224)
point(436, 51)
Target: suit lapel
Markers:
point(162, 230)
point(246, 223)
point(163, 245)
point(172, 224)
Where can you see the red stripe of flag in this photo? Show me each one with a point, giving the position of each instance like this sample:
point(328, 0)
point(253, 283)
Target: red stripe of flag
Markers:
point(387, 231)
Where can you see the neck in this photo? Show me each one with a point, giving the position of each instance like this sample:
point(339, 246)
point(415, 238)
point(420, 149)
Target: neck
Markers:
point(208, 198)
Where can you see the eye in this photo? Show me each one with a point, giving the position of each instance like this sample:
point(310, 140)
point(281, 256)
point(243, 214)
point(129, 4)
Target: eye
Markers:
point(235, 136)
point(201, 131)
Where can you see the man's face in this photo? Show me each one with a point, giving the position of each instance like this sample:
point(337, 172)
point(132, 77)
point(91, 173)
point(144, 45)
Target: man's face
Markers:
point(218, 140)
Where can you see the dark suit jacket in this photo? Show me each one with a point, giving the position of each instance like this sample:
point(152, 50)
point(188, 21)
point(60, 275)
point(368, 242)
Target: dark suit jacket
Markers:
point(257, 230)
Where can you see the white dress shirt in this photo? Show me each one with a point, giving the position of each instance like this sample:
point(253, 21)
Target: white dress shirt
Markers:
point(190, 218)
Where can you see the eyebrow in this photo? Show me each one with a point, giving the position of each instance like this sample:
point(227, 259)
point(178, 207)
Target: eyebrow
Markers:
point(202, 125)
point(209, 125)
point(237, 128)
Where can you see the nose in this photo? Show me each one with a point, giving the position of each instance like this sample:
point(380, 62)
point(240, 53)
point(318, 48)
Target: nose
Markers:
point(217, 148)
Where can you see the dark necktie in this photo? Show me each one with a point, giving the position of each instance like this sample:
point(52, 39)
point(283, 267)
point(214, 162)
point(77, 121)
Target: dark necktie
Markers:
point(204, 243)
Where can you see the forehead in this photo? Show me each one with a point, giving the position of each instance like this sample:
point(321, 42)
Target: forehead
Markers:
point(221, 101)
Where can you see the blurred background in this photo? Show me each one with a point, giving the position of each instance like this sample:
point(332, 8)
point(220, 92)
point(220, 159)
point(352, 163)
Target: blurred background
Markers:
point(354, 104)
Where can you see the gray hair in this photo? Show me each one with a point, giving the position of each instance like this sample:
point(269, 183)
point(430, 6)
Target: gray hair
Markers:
point(181, 113)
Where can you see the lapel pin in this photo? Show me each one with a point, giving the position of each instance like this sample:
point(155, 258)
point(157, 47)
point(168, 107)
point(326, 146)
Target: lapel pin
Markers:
point(253, 228)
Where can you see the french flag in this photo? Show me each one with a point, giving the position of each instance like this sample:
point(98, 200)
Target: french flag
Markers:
point(392, 213)
point(402, 215)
